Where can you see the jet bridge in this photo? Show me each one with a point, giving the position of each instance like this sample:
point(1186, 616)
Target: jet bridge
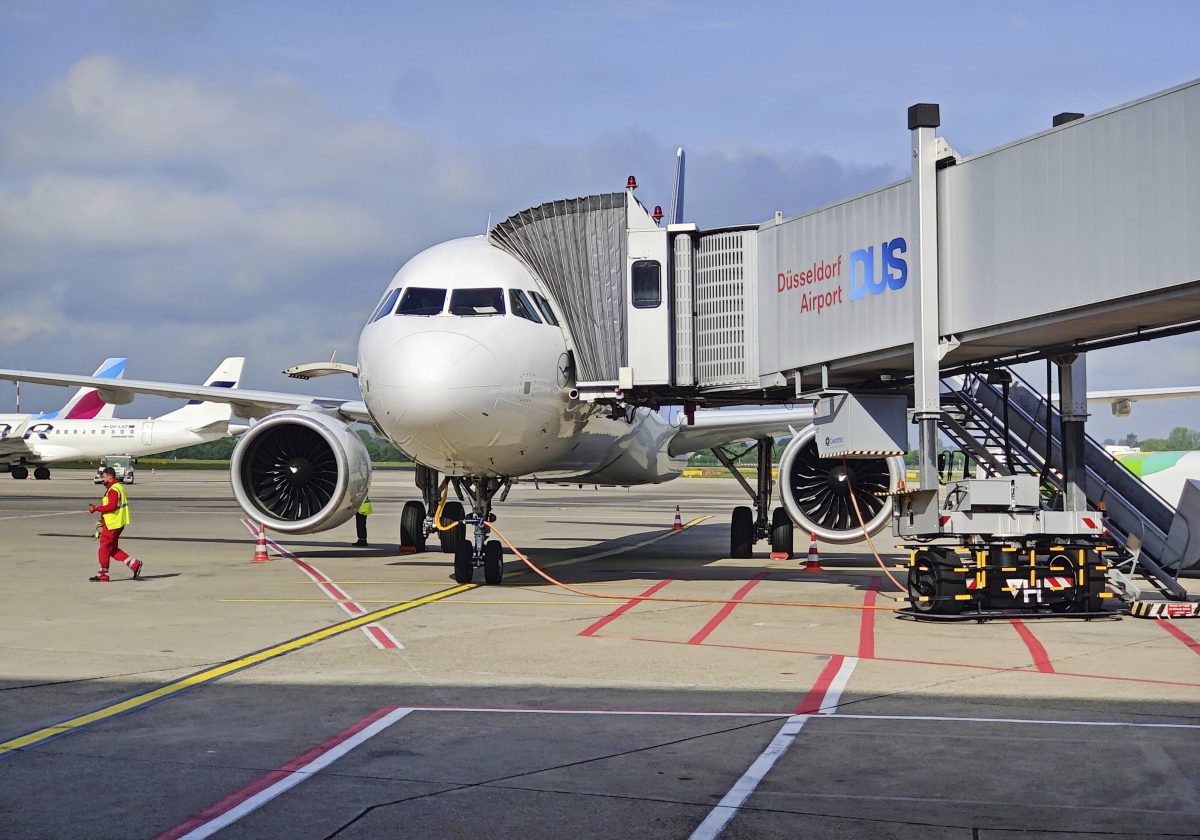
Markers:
point(1079, 237)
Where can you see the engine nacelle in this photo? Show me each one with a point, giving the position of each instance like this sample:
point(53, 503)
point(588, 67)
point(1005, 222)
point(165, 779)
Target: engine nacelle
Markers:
point(816, 493)
point(300, 471)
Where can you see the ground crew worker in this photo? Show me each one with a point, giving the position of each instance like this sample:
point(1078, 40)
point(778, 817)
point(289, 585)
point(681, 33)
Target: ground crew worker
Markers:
point(114, 510)
point(360, 521)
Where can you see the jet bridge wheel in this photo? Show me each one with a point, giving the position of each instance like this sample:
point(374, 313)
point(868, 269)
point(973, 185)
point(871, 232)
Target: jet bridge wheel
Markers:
point(412, 531)
point(781, 532)
point(493, 562)
point(931, 577)
point(464, 561)
point(451, 539)
point(741, 532)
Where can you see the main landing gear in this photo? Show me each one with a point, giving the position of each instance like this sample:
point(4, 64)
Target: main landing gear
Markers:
point(749, 525)
point(417, 523)
point(21, 472)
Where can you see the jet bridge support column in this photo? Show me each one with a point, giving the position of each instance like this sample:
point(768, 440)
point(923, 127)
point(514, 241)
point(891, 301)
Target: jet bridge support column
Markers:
point(922, 120)
point(1072, 391)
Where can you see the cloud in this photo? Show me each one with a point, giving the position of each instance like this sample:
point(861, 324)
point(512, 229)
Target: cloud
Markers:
point(176, 220)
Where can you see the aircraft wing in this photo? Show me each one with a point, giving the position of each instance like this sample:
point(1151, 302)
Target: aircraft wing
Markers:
point(251, 404)
point(1144, 394)
point(716, 427)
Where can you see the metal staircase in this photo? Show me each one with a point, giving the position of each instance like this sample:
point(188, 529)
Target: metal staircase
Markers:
point(1011, 437)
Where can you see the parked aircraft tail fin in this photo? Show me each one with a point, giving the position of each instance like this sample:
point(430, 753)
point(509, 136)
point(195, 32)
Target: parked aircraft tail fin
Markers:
point(197, 414)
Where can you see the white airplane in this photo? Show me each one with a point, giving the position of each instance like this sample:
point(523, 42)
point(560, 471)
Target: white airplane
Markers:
point(35, 441)
point(465, 366)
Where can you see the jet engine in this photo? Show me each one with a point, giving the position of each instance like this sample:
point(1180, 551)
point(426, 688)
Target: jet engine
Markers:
point(300, 471)
point(815, 491)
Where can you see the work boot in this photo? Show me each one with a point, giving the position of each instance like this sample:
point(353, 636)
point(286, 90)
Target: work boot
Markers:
point(137, 569)
point(361, 544)
point(100, 578)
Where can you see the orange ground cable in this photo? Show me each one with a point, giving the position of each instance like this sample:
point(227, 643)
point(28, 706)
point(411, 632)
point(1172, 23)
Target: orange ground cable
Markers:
point(555, 582)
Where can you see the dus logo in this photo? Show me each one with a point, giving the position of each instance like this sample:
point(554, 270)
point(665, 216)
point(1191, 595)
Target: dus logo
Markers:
point(893, 269)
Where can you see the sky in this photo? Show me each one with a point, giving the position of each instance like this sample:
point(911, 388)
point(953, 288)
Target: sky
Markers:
point(181, 181)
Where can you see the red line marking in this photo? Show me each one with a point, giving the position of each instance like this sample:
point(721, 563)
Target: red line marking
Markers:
point(866, 630)
point(235, 799)
point(1040, 658)
point(724, 612)
point(1174, 630)
point(624, 608)
point(383, 638)
point(811, 704)
point(997, 668)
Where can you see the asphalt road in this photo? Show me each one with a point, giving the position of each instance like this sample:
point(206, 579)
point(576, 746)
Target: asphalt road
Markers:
point(359, 693)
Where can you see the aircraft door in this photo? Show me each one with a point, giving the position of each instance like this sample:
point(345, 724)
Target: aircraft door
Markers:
point(148, 433)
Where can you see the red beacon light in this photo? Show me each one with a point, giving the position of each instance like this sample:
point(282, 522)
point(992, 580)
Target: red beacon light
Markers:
point(631, 183)
point(658, 213)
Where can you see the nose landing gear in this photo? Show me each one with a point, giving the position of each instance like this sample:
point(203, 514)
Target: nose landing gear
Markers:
point(479, 551)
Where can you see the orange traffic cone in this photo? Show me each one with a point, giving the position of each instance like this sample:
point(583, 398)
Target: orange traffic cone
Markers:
point(678, 526)
point(260, 550)
point(813, 563)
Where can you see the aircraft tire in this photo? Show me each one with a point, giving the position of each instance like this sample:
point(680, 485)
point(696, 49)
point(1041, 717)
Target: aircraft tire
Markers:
point(781, 532)
point(20, 473)
point(41, 473)
point(452, 512)
point(493, 562)
point(464, 562)
point(741, 532)
point(412, 526)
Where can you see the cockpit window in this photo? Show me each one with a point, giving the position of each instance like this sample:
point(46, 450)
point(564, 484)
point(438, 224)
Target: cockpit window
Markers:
point(419, 301)
point(547, 312)
point(477, 302)
point(385, 305)
point(522, 306)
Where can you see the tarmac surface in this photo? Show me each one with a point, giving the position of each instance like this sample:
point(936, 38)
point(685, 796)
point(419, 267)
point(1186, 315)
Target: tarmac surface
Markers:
point(359, 693)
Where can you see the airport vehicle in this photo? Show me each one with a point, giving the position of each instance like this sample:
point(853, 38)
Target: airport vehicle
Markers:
point(30, 442)
point(121, 464)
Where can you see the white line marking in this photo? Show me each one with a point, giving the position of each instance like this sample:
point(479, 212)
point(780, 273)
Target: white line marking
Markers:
point(725, 810)
point(296, 777)
point(781, 715)
point(833, 694)
point(40, 515)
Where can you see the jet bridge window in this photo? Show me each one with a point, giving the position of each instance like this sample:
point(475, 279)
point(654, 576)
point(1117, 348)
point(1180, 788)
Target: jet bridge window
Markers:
point(522, 306)
point(385, 305)
point(477, 302)
point(419, 301)
point(647, 284)
point(547, 312)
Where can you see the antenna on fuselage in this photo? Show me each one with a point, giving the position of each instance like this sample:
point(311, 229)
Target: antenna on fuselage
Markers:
point(677, 194)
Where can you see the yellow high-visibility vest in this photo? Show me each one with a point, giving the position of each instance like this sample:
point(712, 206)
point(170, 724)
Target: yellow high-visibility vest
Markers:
point(119, 518)
point(365, 508)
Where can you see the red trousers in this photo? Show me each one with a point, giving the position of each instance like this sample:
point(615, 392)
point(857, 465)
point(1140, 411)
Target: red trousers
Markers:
point(108, 547)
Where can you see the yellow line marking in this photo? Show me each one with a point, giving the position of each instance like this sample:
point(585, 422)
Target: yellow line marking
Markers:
point(218, 671)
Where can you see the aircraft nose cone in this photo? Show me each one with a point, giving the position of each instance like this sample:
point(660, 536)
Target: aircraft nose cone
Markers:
point(438, 360)
point(435, 381)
